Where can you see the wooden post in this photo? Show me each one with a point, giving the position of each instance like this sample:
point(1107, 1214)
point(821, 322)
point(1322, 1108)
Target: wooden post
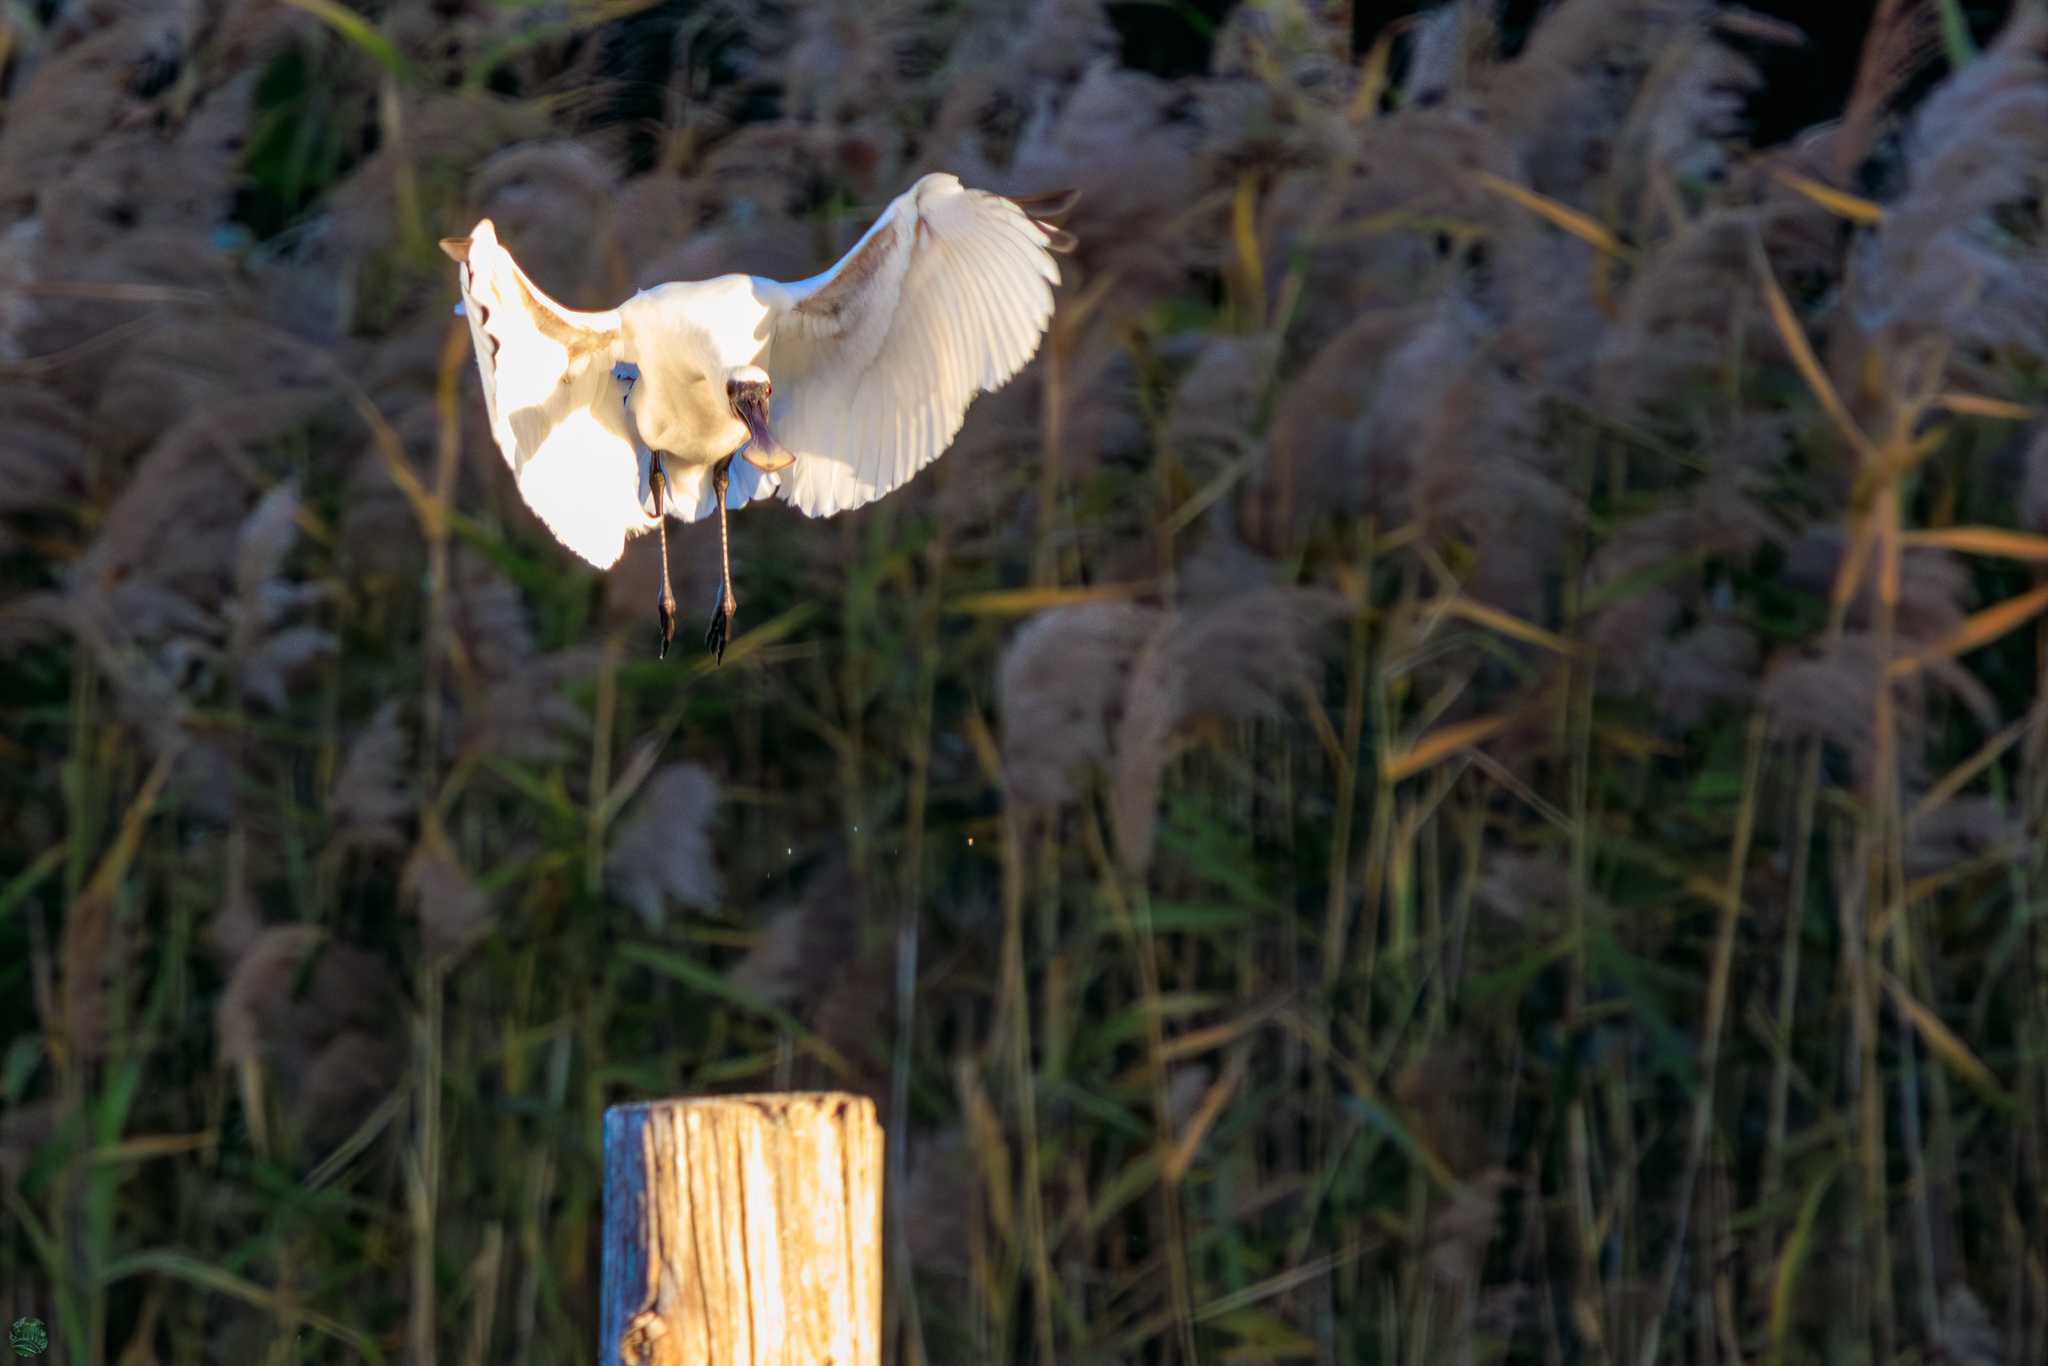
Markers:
point(743, 1231)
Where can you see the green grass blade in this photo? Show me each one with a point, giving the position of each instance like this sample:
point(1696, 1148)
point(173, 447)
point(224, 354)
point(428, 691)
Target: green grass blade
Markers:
point(359, 31)
point(181, 1266)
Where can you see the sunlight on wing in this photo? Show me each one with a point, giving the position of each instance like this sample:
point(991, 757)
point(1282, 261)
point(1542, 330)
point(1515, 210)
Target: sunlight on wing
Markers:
point(583, 479)
point(876, 361)
point(556, 409)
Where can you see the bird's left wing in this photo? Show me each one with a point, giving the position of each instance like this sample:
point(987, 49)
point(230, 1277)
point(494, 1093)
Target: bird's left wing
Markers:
point(556, 403)
point(875, 361)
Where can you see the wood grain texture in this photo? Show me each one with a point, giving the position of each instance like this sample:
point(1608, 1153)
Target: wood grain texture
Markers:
point(743, 1231)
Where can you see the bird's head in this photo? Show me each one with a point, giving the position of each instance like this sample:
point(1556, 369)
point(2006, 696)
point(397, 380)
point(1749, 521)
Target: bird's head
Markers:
point(748, 389)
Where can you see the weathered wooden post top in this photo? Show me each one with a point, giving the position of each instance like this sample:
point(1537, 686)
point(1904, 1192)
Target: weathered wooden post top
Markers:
point(743, 1231)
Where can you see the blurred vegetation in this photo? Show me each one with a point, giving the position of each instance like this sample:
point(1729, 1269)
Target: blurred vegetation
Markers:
point(1455, 774)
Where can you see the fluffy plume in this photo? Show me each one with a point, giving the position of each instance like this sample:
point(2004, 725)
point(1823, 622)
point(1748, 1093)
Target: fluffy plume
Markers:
point(1569, 93)
point(168, 526)
point(317, 1015)
point(2033, 494)
point(1443, 432)
point(1663, 632)
point(1711, 665)
point(1522, 887)
point(1904, 38)
point(1324, 456)
point(1297, 46)
point(1957, 830)
point(1114, 140)
point(514, 701)
point(1441, 60)
point(1006, 63)
point(1831, 694)
point(444, 134)
point(1676, 335)
point(189, 367)
point(1420, 165)
point(266, 538)
point(380, 535)
point(237, 923)
point(283, 656)
point(810, 958)
point(985, 500)
point(1059, 687)
point(270, 650)
point(1684, 123)
point(1961, 253)
point(71, 100)
point(98, 954)
point(371, 797)
point(1461, 1231)
point(661, 852)
point(488, 617)
point(344, 1082)
point(747, 234)
point(1270, 637)
point(1933, 585)
point(19, 252)
point(838, 52)
point(152, 178)
point(528, 714)
point(551, 203)
point(45, 462)
point(1211, 421)
point(268, 1010)
point(452, 910)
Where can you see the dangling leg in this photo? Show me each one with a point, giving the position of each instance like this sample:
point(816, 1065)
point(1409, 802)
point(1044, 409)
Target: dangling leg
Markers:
point(665, 605)
point(721, 615)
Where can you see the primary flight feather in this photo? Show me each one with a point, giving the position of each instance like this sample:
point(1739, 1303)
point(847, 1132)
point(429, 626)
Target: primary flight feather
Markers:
point(831, 391)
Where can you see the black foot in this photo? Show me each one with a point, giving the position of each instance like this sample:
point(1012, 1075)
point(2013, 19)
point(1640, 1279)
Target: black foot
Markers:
point(665, 610)
point(720, 634)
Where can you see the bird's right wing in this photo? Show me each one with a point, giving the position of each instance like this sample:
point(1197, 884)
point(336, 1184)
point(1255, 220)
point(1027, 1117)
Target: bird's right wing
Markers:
point(557, 408)
point(876, 361)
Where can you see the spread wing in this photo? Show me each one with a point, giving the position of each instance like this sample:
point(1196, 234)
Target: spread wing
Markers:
point(875, 361)
point(556, 406)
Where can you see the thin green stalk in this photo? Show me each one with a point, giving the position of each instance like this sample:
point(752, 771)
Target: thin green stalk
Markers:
point(1719, 975)
point(903, 1320)
point(423, 1168)
point(1132, 909)
point(1015, 1014)
point(596, 808)
point(1788, 988)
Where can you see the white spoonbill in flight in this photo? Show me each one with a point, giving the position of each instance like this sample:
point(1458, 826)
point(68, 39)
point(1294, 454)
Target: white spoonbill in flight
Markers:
point(831, 391)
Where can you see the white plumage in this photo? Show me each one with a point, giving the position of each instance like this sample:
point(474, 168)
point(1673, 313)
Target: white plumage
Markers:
point(873, 376)
point(834, 390)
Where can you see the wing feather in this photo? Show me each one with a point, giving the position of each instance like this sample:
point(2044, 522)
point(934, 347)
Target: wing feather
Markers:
point(875, 362)
point(557, 409)
point(986, 308)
